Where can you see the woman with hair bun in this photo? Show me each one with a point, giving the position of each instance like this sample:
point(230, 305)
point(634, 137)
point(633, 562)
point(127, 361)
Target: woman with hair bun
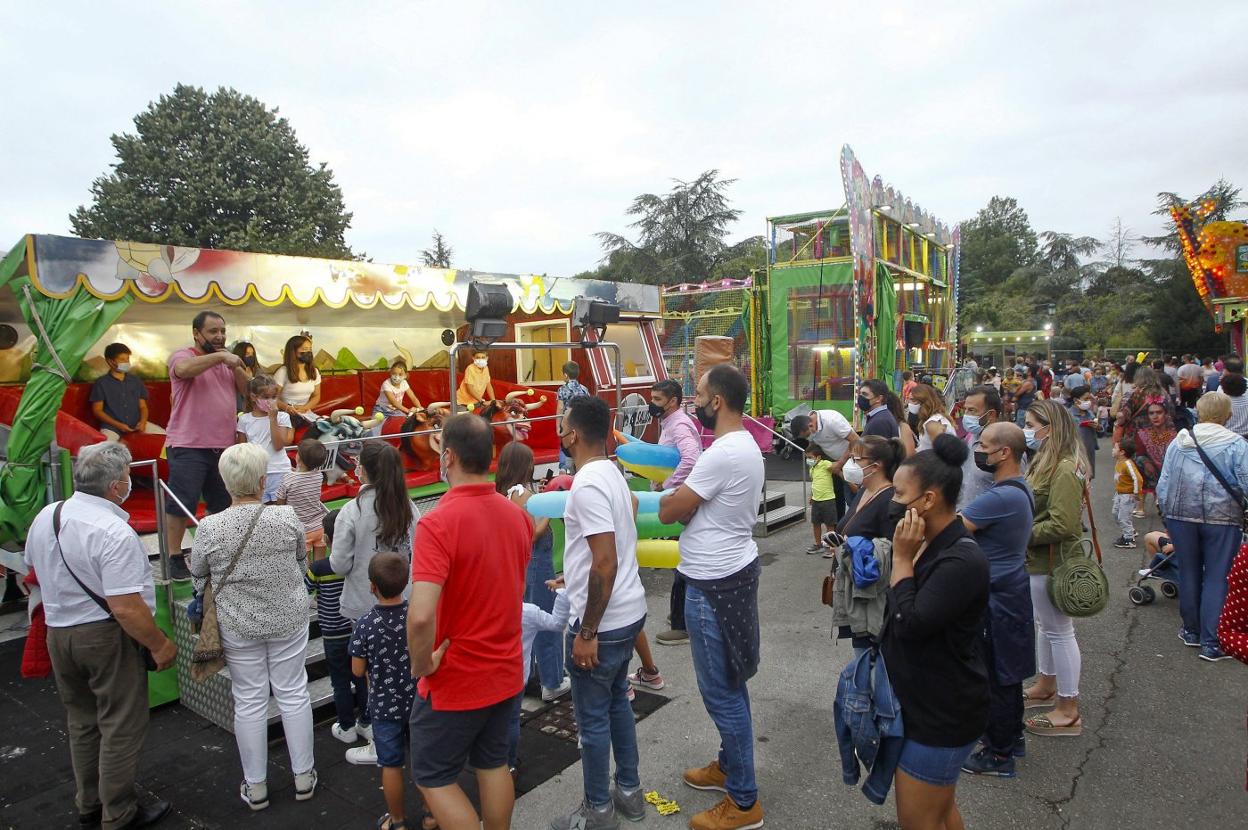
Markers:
point(930, 642)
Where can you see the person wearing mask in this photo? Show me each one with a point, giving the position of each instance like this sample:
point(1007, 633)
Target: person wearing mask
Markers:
point(1000, 520)
point(931, 641)
point(119, 398)
point(676, 429)
point(476, 390)
point(262, 608)
point(981, 408)
point(99, 602)
point(571, 388)
point(1056, 477)
point(1082, 409)
point(719, 558)
point(928, 409)
point(1203, 519)
point(607, 606)
point(872, 400)
point(205, 383)
point(395, 394)
point(247, 354)
point(829, 429)
point(298, 380)
point(464, 634)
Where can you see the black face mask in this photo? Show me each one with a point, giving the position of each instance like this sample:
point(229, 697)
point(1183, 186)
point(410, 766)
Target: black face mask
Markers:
point(305, 358)
point(863, 403)
point(897, 510)
point(207, 348)
point(706, 417)
point(656, 411)
point(981, 461)
point(250, 361)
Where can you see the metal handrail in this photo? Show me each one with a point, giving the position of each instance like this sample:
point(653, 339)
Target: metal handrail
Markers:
point(791, 443)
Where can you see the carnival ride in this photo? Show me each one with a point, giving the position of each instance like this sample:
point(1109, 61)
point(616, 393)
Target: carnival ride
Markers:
point(1216, 253)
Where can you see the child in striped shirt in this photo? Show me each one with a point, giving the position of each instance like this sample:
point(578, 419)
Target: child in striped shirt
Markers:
point(350, 692)
point(301, 490)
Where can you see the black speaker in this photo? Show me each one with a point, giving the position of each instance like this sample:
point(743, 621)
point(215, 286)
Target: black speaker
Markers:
point(913, 333)
point(448, 337)
point(487, 300)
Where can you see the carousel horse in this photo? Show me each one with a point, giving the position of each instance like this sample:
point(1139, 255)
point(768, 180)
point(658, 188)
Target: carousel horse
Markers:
point(424, 450)
point(343, 426)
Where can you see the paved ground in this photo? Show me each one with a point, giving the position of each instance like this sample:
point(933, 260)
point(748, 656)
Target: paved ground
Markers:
point(1164, 739)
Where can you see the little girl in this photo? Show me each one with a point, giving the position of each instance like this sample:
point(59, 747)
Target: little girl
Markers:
point(390, 400)
point(268, 428)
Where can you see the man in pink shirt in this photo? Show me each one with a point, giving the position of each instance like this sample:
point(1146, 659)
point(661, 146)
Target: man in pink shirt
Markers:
point(676, 429)
point(205, 380)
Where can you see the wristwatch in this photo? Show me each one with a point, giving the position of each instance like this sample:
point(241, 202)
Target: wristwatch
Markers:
point(587, 633)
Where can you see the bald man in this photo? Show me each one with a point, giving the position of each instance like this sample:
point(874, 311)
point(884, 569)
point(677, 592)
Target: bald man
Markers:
point(1001, 518)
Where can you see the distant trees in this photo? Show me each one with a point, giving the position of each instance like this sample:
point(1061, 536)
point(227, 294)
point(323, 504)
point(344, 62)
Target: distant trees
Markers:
point(439, 255)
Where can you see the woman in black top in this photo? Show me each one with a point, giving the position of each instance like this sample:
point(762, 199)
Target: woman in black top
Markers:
point(930, 640)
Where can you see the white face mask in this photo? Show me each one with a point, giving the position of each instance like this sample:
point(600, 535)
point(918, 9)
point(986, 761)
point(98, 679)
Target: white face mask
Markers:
point(480, 363)
point(123, 367)
point(396, 380)
point(852, 473)
point(913, 408)
point(1085, 405)
point(129, 489)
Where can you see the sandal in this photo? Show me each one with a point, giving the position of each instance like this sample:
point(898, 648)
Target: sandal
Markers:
point(427, 821)
point(387, 823)
point(1033, 702)
point(1043, 725)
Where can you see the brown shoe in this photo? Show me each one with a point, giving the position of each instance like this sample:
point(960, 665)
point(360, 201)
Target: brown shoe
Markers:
point(709, 777)
point(726, 815)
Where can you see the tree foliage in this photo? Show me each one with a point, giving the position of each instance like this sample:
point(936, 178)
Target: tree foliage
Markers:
point(439, 255)
point(995, 244)
point(216, 170)
point(680, 235)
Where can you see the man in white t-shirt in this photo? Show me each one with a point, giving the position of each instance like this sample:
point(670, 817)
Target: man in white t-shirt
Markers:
point(607, 607)
point(719, 559)
point(832, 432)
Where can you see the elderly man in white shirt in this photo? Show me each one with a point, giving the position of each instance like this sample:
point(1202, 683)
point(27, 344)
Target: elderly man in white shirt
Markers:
point(99, 601)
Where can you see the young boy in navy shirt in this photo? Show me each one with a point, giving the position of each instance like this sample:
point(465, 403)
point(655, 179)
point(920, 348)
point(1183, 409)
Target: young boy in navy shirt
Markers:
point(379, 650)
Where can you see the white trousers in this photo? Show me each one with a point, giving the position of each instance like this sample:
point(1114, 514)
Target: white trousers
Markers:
point(1057, 651)
point(255, 667)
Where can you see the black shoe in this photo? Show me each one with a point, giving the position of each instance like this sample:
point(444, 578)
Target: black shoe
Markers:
point(90, 820)
point(985, 762)
point(149, 814)
point(178, 568)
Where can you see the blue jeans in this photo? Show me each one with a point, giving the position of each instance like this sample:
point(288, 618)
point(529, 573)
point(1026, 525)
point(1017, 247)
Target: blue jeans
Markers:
point(347, 700)
point(604, 715)
point(728, 707)
point(1205, 555)
point(548, 645)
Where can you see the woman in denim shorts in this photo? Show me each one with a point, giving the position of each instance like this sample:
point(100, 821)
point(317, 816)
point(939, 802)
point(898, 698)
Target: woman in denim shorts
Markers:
point(930, 640)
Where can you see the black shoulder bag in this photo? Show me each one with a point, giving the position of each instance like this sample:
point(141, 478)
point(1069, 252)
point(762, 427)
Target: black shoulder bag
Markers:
point(149, 662)
point(1234, 491)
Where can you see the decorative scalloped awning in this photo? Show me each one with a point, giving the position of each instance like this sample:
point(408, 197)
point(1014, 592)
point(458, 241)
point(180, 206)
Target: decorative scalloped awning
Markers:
point(155, 273)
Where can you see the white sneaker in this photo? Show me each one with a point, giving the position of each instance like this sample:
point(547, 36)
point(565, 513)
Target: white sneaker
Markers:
point(549, 695)
point(365, 756)
point(347, 736)
point(305, 785)
point(365, 732)
point(255, 796)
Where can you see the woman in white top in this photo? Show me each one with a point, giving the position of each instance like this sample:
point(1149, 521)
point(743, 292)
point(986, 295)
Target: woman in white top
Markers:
point(929, 410)
point(298, 381)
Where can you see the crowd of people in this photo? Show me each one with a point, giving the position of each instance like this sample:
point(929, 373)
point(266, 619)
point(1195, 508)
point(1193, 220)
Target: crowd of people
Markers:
point(944, 531)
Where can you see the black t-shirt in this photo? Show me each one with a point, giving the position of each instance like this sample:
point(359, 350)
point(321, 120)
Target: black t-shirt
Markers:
point(871, 522)
point(882, 424)
point(121, 397)
point(931, 642)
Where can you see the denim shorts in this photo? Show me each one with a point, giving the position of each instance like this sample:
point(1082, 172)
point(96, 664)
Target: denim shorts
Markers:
point(935, 765)
point(390, 739)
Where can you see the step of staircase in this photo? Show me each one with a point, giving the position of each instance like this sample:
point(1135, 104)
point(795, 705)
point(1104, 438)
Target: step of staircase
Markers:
point(778, 518)
point(771, 500)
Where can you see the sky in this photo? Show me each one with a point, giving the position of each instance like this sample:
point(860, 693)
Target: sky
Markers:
point(519, 130)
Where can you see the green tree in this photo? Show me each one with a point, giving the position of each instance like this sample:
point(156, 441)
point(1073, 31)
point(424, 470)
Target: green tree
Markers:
point(1061, 251)
point(995, 244)
point(216, 170)
point(680, 234)
point(438, 256)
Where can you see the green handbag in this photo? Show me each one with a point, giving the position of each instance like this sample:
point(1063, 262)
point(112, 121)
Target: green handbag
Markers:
point(1077, 586)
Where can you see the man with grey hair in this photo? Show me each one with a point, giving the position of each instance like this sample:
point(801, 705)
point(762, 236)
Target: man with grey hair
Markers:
point(98, 600)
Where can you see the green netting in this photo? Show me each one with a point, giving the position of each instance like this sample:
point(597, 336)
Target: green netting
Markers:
point(694, 313)
point(885, 326)
point(73, 325)
point(811, 306)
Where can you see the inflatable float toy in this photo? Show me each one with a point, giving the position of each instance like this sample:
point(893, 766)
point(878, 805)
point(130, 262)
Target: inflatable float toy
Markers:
point(658, 553)
point(650, 461)
point(553, 504)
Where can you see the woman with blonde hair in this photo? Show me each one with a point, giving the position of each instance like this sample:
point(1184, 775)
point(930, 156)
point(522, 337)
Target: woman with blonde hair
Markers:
point(931, 419)
point(1057, 474)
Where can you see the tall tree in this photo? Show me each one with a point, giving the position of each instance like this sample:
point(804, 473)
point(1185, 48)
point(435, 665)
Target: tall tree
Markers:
point(1061, 251)
point(439, 256)
point(995, 244)
point(680, 234)
point(216, 170)
point(1118, 245)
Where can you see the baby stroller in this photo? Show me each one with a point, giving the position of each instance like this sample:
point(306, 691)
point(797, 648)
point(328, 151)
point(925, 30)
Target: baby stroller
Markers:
point(1162, 568)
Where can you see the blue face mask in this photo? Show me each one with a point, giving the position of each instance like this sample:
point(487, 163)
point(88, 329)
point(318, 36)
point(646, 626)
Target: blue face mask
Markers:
point(1033, 443)
point(972, 424)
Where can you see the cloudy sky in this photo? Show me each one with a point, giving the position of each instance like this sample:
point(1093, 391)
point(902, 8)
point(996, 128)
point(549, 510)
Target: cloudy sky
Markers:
point(520, 129)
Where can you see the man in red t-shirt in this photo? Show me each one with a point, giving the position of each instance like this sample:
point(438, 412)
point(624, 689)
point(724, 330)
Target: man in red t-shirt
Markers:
point(468, 566)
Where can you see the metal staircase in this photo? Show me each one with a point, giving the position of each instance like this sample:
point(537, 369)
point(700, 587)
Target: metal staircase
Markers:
point(775, 513)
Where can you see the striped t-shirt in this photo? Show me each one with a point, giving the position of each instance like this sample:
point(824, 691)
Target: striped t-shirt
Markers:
point(302, 491)
point(327, 586)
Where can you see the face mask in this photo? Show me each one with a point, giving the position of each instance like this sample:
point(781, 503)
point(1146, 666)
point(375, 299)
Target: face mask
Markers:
point(863, 403)
point(305, 358)
point(567, 448)
point(481, 363)
point(852, 473)
point(395, 380)
point(442, 468)
point(973, 424)
point(123, 367)
point(897, 510)
point(265, 405)
point(129, 489)
point(706, 417)
point(207, 348)
point(1033, 443)
point(250, 361)
point(981, 461)
point(810, 462)
point(1085, 405)
point(655, 410)
point(913, 408)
